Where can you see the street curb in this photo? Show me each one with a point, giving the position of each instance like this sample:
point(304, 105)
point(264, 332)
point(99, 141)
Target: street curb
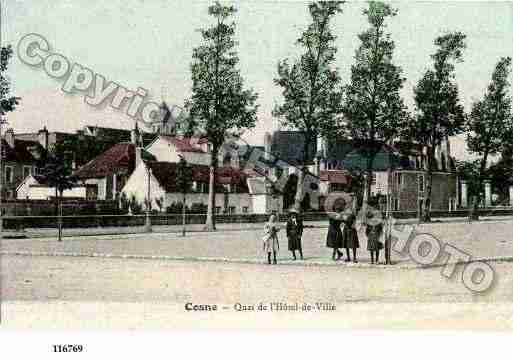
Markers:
point(251, 261)
point(13, 235)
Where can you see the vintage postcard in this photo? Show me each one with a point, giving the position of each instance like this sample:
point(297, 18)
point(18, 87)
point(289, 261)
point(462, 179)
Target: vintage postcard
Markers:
point(256, 164)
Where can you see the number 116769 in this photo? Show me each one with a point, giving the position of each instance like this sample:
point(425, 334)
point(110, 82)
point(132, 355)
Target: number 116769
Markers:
point(67, 348)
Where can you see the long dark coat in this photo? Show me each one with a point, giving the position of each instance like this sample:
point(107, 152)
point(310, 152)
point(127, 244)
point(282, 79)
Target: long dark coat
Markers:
point(373, 236)
point(294, 233)
point(334, 237)
point(349, 234)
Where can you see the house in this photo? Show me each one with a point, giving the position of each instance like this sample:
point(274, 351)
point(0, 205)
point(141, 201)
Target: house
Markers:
point(171, 149)
point(193, 150)
point(399, 168)
point(35, 187)
point(156, 180)
point(108, 173)
point(20, 158)
point(263, 199)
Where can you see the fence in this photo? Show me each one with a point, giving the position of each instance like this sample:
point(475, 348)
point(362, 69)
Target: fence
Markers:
point(37, 208)
point(95, 221)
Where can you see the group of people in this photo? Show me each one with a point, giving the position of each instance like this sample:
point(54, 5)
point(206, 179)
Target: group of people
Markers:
point(342, 234)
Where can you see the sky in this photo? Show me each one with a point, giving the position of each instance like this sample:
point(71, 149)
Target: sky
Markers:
point(149, 44)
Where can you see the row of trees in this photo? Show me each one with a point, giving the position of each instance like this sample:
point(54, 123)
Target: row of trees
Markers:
point(368, 110)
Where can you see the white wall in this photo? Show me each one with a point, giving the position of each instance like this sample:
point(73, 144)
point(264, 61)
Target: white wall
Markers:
point(23, 190)
point(381, 185)
point(40, 192)
point(237, 200)
point(264, 203)
point(165, 151)
point(31, 189)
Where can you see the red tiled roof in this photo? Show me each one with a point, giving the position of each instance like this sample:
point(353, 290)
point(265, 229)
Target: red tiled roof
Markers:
point(185, 144)
point(335, 176)
point(119, 156)
point(165, 173)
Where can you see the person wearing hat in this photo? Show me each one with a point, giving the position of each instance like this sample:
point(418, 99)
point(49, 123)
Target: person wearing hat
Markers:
point(294, 233)
point(374, 231)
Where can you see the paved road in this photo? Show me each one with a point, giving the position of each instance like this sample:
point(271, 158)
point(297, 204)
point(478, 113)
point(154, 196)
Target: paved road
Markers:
point(67, 292)
point(174, 229)
point(480, 240)
point(90, 292)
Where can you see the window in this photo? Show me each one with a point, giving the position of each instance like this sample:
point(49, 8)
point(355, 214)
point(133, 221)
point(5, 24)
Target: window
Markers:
point(218, 210)
point(245, 209)
point(26, 171)
point(9, 175)
point(374, 177)
point(231, 210)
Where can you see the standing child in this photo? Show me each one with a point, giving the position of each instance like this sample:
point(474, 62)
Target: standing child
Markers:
point(294, 233)
point(271, 244)
point(374, 231)
point(334, 236)
point(350, 237)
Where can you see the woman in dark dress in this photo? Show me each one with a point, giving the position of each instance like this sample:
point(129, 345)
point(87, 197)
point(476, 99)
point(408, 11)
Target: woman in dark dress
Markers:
point(334, 238)
point(350, 237)
point(374, 231)
point(294, 233)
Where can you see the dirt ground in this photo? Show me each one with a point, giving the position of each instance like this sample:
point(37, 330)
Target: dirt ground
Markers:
point(68, 292)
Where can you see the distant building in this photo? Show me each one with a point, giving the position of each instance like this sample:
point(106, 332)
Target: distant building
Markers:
point(158, 179)
point(404, 162)
point(35, 187)
point(108, 173)
point(20, 158)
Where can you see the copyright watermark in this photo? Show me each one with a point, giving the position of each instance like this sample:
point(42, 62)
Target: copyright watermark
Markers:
point(35, 50)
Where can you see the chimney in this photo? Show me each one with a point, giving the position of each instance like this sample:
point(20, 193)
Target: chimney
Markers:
point(138, 156)
point(42, 137)
point(9, 137)
point(267, 145)
point(134, 136)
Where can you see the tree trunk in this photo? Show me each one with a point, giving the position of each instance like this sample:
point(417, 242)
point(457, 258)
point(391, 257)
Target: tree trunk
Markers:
point(299, 190)
point(59, 205)
point(301, 178)
point(368, 182)
point(210, 224)
point(56, 201)
point(474, 214)
point(183, 215)
point(426, 211)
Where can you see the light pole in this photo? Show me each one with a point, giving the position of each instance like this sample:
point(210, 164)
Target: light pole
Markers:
point(2, 122)
point(183, 179)
point(271, 190)
point(147, 225)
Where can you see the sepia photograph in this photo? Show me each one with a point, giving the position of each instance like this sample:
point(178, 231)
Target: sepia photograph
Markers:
point(190, 165)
